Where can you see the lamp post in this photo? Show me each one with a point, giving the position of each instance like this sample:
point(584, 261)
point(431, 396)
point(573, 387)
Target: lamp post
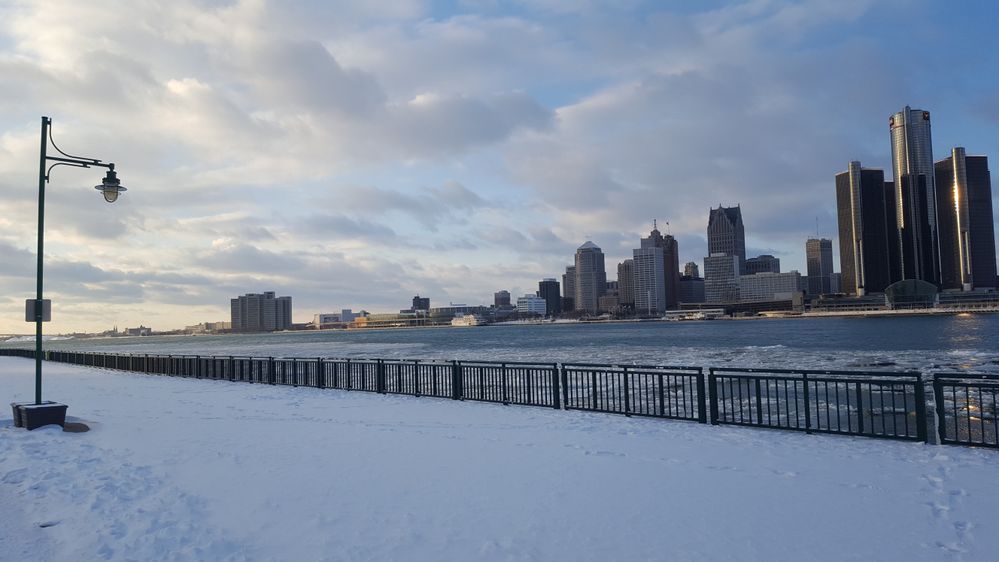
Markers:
point(110, 187)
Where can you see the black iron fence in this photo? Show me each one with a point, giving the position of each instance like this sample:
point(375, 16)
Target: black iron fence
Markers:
point(967, 408)
point(887, 405)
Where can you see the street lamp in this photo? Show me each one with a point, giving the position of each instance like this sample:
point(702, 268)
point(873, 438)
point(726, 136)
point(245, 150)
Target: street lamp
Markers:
point(110, 187)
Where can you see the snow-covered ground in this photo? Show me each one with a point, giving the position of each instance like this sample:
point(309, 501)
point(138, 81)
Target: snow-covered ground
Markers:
point(177, 469)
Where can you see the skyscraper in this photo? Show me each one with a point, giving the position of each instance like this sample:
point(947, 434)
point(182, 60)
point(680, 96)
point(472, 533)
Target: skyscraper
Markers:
point(868, 239)
point(591, 277)
point(690, 269)
point(549, 290)
point(762, 264)
point(721, 278)
point(626, 283)
point(915, 195)
point(501, 299)
point(421, 303)
point(818, 255)
point(260, 312)
point(726, 234)
point(569, 289)
point(671, 267)
point(650, 282)
point(965, 225)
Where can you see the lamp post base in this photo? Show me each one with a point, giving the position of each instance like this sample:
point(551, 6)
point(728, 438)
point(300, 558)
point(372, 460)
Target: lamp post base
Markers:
point(32, 416)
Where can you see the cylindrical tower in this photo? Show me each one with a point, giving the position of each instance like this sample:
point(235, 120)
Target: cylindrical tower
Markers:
point(915, 194)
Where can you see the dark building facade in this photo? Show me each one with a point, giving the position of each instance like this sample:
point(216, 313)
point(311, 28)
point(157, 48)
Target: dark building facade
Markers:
point(626, 283)
point(501, 299)
point(691, 289)
point(727, 235)
point(551, 291)
point(421, 303)
point(819, 259)
point(868, 242)
point(762, 264)
point(569, 289)
point(260, 312)
point(915, 195)
point(965, 224)
point(671, 265)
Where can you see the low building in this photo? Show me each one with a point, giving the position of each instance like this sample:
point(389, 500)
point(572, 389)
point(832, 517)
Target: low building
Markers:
point(531, 304)
point(140, 331)
point(770, 286)
point(691, 289)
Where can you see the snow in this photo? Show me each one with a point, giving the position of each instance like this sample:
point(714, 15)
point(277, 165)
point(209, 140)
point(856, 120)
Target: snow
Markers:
point(180, 469)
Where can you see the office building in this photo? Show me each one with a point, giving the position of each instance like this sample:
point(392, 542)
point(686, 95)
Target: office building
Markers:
point(836, 283)
point(762, 264)
point(569, 289)
point(818, 255)
point(532, 305)
point(650, 282)
point(721, 278)
point(770, 286)
point(726, 235)
point(626, 283)
point(550, 290)
point(690, 269)
point(868, 239)
point(260, 312)
point(420, 303)
point(915, 195)
point(591, 277)
point(966, 229)
point(501, 299)
point(671, 266)
point(691, 289)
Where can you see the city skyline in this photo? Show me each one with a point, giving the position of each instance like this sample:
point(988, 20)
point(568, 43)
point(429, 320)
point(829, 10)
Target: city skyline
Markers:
point(356, 156)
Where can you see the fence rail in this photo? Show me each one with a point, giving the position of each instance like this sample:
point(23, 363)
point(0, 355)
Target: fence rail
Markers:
point(967, 408)
point(886, 405)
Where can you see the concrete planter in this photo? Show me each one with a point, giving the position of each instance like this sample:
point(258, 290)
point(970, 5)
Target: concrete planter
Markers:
point(32, 416)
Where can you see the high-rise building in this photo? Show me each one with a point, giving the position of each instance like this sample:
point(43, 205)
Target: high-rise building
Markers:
point(868, 239)
point(721, 278)
point(818, 255)
point(591, 277)
point(965, 225)
point(915, 194)
point(726, 234)
point(650, 283)
point(569, 289)
point(770, 286)
point(501, 299)
point(762, 264)
point(626, 283)
point(260, 312)
point(690, 269)
point(671, 265)
point(550, 290)
point(691, 289)
point(421, 303)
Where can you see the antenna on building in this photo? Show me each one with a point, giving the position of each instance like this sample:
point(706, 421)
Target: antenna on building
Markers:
point(654, 225)
point(667, 228)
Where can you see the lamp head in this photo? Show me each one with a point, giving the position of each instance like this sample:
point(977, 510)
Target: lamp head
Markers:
point(110, 186)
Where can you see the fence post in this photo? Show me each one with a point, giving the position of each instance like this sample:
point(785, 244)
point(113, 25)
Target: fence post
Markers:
point(320, 374)
point(759, 402)
point(920, 409)
point(294, 371)
point(555, 388)
point(627, 391)
point(938, 398)
point(702, 410)
point(232, 369)
point(565, 385)
point(455, 381)
point(808, 405)
point(506, 394)
point(270, 368)
point(380, 373)
point(713, 389)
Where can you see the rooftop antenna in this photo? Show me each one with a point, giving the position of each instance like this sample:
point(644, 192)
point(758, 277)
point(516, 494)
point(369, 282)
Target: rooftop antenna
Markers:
point(667, 228)
point(654, 226)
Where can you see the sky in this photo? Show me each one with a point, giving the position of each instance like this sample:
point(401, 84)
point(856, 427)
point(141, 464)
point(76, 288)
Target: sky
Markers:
point(353, 154)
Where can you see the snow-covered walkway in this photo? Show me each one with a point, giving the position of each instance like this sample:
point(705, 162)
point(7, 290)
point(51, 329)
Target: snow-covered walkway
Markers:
point(179, 469)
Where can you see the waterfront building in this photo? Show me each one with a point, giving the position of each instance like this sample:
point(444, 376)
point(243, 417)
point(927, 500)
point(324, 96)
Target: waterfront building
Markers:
point(650, 283)
point(609, 303)
point(591, 277)
point(762, 264)
point(770, 286)
point(531, 304)
point(818, 255)
point(721, 278)
point(260, 312)
point(691, 289)
point(915, 195)
point(501, 299)
point(966, 228)
point(626, 283)
point(868, 238)
point(836, 283)
point(727, 235)
point(550, 290)
point(690, 269)
point(569, 289)
point(208, 327)
point(421, 303)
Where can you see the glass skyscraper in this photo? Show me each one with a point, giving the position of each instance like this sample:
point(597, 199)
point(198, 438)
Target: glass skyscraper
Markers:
point(915, 194)
point(868, 238)
point(966, 228)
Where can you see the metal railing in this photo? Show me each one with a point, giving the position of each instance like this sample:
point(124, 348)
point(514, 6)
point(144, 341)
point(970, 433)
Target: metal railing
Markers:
point(888, 405)
point(967, 408)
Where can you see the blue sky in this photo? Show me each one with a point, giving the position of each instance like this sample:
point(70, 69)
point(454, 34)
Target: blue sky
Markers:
point(352, 154)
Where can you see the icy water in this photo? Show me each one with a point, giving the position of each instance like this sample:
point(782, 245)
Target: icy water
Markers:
point(926, 343)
